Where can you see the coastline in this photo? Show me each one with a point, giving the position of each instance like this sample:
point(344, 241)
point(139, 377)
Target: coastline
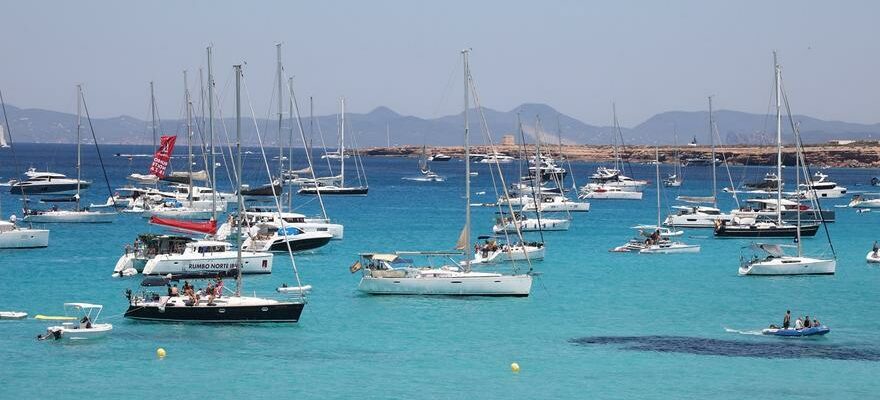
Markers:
point(856, 155)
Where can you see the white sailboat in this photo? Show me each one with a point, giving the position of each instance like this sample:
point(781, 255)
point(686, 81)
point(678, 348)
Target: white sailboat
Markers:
point(671, 247)
point(389, 274)
point(4, 144)
point(776, 261)
point(78, 214)
point(337, 188)
point(426, 174)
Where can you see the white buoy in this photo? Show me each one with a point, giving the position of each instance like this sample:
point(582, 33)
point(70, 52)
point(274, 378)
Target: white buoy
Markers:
point(514, 367)
point(160, 352)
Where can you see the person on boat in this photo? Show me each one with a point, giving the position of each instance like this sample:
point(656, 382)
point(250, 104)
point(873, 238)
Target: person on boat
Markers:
point(85, 323)
point(876, 247)
point(816, 323)
point(786, 321)
point(218, 288)
point(174, 291)
point(807, 323)
point(210, 291)
point(799, 324)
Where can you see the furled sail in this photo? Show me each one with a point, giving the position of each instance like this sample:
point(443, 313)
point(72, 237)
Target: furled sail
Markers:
point(208, 227)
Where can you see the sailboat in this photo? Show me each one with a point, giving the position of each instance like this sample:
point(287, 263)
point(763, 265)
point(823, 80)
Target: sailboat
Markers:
point(13, 236)
point(610, 183)
point(427, 174)
point(696, 215)
point(752, 224)
point(675, 178)
point(337, 188)
point(390, 273)
point(217, 307)
point(78, 214)
point(776, 261)
point(4, 144)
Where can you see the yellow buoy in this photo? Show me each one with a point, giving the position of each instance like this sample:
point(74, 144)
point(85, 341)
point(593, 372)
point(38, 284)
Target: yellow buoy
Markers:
point(514, 367)
point(161, 353)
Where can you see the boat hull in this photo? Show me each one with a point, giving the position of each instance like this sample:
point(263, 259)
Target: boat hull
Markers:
point(791, 332)
point(674, 248)
point(35, 189)
point(72, 217)
point(220, 313)
point(252, 263)
point(22, 238)
point(504, 285)
point(356, 191)
point(530, 225)
point(695, 220)
point(296, 244)
point(790, 266)
point(726, 231)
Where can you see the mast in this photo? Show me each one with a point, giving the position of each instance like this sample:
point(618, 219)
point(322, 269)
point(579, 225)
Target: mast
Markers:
point(712, 141)
point(189, 157)
point(78, 142)
point(467, 167)
point(280, 113)
point(797, 174)
point(290, 145)
point(778, 142)
point(342, 144)
point(617, 163)
point(657, 170)
point(240, 200)
point(387, 135)
point(211, 134)
point(153, 112)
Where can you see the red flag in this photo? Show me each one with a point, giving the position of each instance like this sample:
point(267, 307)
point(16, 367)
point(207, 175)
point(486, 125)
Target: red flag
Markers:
point(163, 155)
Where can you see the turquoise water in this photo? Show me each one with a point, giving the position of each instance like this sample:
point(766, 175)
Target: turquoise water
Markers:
point(655, 324)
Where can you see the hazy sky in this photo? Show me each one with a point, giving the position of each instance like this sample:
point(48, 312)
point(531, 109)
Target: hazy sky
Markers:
point(577, 56)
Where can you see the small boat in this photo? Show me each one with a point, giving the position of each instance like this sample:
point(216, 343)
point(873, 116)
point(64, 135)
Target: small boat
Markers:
point(440, 157)
point(873, 256)
point(792, 332)
point(865, 201)
point(87, 327)
point(13, 315)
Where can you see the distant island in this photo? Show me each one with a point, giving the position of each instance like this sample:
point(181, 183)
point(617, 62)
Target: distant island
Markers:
point(383, 127)
point(849, 155)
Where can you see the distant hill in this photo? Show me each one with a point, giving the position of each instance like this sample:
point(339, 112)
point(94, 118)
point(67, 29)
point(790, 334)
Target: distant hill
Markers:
point(43, 126)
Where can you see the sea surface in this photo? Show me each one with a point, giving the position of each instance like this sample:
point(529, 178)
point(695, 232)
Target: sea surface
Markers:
point(597, 325)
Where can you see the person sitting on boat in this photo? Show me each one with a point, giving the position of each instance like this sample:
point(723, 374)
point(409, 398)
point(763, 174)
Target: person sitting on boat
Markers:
point(786, 321)
point(210, 291)
point(218, 288)
point(85, 323)
point(876, 246)
point(807, 323)
point(799, 324)
point(174, 291)
point(816, 323)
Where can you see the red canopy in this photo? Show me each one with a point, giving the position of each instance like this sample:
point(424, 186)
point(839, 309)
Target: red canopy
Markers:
point(209, 227)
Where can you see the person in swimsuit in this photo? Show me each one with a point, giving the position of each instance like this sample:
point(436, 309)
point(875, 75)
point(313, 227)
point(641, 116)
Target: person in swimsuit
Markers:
point(786, 321)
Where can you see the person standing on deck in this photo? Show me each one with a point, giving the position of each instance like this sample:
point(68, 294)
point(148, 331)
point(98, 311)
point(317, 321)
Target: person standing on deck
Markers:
point(786, 321)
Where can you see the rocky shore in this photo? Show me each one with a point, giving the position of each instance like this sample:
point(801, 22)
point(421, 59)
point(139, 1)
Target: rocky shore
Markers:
point(856, 155)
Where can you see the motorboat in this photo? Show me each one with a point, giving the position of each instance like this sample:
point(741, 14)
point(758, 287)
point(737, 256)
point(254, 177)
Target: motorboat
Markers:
point(390, 274)
point(769, 208)
point(873, 256)
point(13, 236)
point(865, 201)
point(776, 262)
point(255, 216)
point(496, 159)
point(47, 183)
point(820, 187)
point(174, 254)
point(695, 216)
point(792, 332)
point(700, 161)
point(439, 157)
point(770, 183)
point(673, 180)
point(87, 328)
point(606, 192)
point(509, 223)
point(611, 177)
point(13, 315)
point(327, 189)
point(555, 203)
point(266, 236)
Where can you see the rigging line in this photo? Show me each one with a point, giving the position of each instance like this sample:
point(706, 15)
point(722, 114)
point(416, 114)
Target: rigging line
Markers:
point(308, 152)
point(82, 94)
point(24, 198)
point(535, 187)
point(726, 164)
point(203, 147)
point(453, 72)
point(799, 152)
point(228, 146)
point(323, 144)
point(274, 194)
point(485, 126)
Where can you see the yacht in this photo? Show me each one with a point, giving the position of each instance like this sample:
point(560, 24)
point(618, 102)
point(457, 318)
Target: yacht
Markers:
point(440, 157)
point(46, 183)
point(599, 191)
point(611, 177)
point(695, 216)
point(267, 236)
point(173, 254)
point(254, 216)
point(555, 203)
point(776, 262)
point(820, 187)
point(491, 252)
point(521, 223)
point(496, 159)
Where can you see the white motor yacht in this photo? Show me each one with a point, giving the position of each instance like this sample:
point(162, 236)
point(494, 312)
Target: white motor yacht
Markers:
point(266, 236)
point(299, 221)
point(606, 192)
point(820, 187)
point(696, 217)
point(47, 183)
point(168, 254)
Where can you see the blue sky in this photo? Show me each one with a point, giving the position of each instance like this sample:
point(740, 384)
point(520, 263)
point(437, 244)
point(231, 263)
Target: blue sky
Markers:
point(577, 56)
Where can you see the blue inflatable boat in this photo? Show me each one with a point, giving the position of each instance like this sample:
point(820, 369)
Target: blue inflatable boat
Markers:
point(811, 331)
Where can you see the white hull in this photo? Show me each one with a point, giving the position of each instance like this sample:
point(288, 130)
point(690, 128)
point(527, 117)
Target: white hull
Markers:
point(463, 284)
point(611, 195)
point(790, 266)
point(225, 232)
point(872, 257)
point(69, 332)
point(834, 193)
point(531, 225)
point(253, 263)
point(695, 220)
point(671, 248)
point(514, 254)
point(571, 206)
point(23, 238)
point(866, 203)
point(77, 217)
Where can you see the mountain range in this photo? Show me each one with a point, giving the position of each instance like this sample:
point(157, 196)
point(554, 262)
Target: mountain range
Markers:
point(369, 129)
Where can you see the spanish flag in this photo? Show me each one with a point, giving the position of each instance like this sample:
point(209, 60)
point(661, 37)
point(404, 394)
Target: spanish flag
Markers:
point(355, 267)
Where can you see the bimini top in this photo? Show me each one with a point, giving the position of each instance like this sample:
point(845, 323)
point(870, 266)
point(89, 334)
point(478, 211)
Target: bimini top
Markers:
point(84, 306)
